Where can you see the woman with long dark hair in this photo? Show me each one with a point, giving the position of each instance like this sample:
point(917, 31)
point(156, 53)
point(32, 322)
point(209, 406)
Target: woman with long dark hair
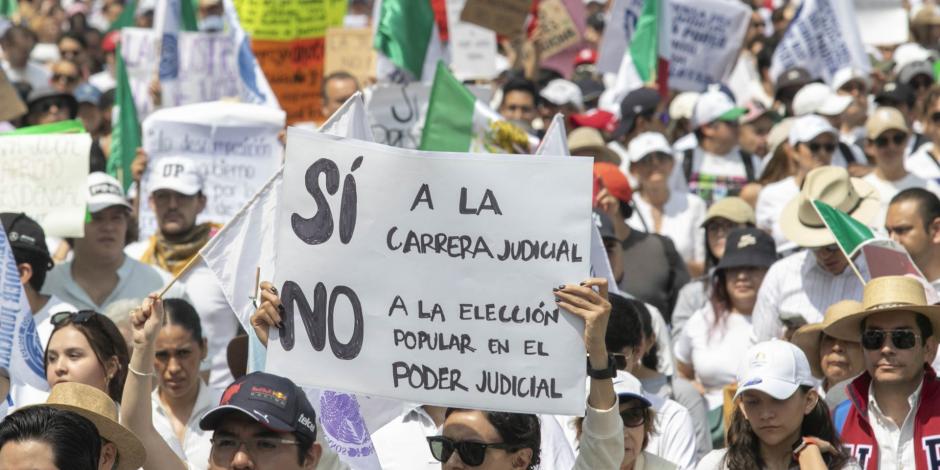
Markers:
point(779, 421)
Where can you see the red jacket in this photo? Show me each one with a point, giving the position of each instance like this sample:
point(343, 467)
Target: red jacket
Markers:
point(859, 438)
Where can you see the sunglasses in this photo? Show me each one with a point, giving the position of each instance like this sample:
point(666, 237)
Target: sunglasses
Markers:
point(898, 139)
point(633, 417)
point(81, 316)
point(935, 117)
point(68, 78)
point(47, 105)
point(901, 339)
point(816, 147)
point(471, 453)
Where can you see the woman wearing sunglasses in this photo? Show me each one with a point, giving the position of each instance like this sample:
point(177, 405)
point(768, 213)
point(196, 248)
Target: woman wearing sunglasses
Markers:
point(779, 421)
point(86, 347)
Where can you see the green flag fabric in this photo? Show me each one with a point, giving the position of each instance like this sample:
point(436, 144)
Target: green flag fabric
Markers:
point(644, 46)
point(448, 126)
point(850, 234)
point(188, 16)
point(72, 126)
point(127, 16)
point(125, 133)
point(9, 8)
point(404, 32)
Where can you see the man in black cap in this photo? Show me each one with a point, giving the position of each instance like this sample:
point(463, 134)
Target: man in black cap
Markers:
point(637, 115)
point(787, 84)
point(47, 105)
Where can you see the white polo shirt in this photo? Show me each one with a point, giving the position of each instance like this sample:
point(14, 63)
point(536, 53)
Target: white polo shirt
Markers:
point(895, 443)
point(770, 203)
point(683, 215)
point(195, 447)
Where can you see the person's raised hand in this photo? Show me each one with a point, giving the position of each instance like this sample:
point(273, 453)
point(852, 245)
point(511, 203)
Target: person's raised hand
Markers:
point(608, 204)
point(139, 165)
point(147, 320)
point(268, 314)
point(592, 306)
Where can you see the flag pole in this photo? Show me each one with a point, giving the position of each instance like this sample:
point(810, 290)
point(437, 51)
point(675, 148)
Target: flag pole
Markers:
point(189, 265)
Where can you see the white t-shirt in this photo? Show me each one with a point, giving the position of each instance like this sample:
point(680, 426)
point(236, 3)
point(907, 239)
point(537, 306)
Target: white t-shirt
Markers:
point(683, 215)
point(713, 349)
point(923, 164)
point(770, 203)
point(713, 177)
point(889, 189)
point(34, 74)
point(674, 439)
point(712, 461)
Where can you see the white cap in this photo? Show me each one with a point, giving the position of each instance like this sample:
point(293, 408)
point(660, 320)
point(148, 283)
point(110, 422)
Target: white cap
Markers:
point(806, 128)
point(177, 174)
point(104, 191)
point(683, 105)
point(820, 99)
point(907, 53)
point(647, 143)
point(561, 92)
point(847, 74)
point(774, 367)
point(713, 105)
point(626, 386)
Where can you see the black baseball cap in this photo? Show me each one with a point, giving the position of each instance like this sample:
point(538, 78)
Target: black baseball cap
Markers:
point(748, 246)
point(25, 234)
point(276, 403)
point(894, 94)
point(637, 102)
point(792, 78)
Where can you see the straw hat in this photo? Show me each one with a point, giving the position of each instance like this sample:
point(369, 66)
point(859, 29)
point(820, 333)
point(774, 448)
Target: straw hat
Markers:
point(97, 407)
point(591, 140)
point(833, 186)
point(886, 294)
point(808, 336)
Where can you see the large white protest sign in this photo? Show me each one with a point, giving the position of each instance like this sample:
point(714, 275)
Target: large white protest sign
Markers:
point(433, 274)
point(619, 25)
point(237, 153)
point(397, 112)
point(822, 38)
point(882, 22)
point(46, 176)
point(472, 48)
point(701, 39)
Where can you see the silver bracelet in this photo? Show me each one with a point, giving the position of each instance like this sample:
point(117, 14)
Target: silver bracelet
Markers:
point(141, 374)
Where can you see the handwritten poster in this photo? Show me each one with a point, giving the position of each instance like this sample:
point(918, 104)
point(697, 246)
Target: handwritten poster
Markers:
point(556, 30)
point(506, 17)
point(237, 153)
point(46, 176)
point(433, 276)
point(350, 50)
point(472, 48)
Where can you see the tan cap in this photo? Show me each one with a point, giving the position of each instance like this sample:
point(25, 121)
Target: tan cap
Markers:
point(883, 119)
point(588, 139)
point(732, 208)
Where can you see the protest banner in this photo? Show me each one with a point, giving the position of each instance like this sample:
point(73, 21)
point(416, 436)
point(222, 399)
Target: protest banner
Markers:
point(350, 50)
point(701, 40)
point(396, 112)
point(236, 154)
point(559, 33)
point(620, 23)
point(409, 246)
point(822, 38)
point(472, 48)
point(882, 22)
point(506, 17)
point(46, 176)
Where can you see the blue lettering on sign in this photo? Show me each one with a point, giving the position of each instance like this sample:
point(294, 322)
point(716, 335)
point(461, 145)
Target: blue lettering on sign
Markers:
point(169, 58)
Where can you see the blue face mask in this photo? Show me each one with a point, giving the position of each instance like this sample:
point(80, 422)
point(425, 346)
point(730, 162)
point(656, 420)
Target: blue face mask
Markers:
point(212, 23)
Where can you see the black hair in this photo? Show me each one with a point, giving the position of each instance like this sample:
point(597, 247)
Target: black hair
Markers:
point(18, 31)
point(520, 84)
point(928, 204)
point(107, 100)
point(106, 341)
point(744, 445)
point(545, 75)
point(96, 159)
point(518, 430)
point(181, 313)
point(923, 324)
point(596, 22)
point(39, 262)
point(765, 56)
point(73, 36)
point(338, 75)
point(651, 359)
point(74, 440)
point(625, 324)
point(304, 443)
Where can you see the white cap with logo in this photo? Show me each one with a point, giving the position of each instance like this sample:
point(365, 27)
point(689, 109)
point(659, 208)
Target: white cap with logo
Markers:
point(560, 92)
point(647, 143)
point(776, 368)
point(104, 191)
point(807, 128)
point(177, 174)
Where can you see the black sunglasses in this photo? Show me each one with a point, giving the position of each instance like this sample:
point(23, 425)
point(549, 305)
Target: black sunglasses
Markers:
point(935, 117)
point(81, 316)
point(898, 139)
point(815, 147)
point(471, 453)
point(633, 417)
point(901, 339)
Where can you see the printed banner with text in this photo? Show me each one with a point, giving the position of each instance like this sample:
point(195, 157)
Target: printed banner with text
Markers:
point(433, 274)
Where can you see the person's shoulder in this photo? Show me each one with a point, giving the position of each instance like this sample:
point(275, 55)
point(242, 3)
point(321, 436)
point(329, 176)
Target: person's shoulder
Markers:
point(136, 249)
point(701, 317)
point(655, 462)
point(712, 460)
point(695, 202)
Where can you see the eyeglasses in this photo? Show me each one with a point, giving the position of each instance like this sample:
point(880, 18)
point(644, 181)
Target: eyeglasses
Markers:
point(46, 105)
point(633, 417)
point(81, 316)
point(816, 147)
point(471, 453)
point(883, 141)
point(921, 82)
point(225, 448)
point(717, 226)
point(901, 339)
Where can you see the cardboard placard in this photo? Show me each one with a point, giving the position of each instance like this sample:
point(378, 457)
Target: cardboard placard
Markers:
point(506, 17)
point(556, 30)
point(350, 50)
point(472, 48)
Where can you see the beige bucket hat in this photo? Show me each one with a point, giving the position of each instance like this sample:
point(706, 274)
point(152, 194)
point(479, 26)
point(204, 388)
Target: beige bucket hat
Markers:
point(808, 336)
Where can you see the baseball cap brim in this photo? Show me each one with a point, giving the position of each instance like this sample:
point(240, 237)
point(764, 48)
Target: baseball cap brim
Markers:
point(184, 189)
point(634, 396)
point(732, 114)
point(210, 421)
point(776, 388)
point(106, 202)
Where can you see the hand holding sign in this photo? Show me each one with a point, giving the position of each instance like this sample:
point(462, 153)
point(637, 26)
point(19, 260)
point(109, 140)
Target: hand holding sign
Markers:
point(268, 314)
point(147, 320)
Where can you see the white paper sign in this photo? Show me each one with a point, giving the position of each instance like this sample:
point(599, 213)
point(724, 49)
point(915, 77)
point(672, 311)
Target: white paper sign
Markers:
point(702, 39)
point(472, 48)
point(237, 153)
point(46, 176)
point(882, 22)
point(399, 283)
point(620, 23)
point(396, 112)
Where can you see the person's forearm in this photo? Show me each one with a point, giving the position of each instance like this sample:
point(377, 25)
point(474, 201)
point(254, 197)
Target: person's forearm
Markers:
point(601, 396)
point(811, 459)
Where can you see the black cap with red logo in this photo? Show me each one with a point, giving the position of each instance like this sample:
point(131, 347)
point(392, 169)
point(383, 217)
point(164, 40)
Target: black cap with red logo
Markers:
point(274, 402)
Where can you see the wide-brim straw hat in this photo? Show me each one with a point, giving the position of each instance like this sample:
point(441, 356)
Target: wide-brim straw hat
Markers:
point(808, 337)
point(97, 407)
point(589, 139)
point(832, 185)
point(886, 294)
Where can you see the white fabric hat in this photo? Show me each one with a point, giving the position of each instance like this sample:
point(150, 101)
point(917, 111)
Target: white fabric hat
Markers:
point(561, 92)
point(176, 174)
point(714, 105)
point(806, 128)
point(647, 143)
point(820, 99)
point(908, 53)
point(846, 74)
point(626, 386)
point(683, 105)
point(774, 367)
point(104, 191)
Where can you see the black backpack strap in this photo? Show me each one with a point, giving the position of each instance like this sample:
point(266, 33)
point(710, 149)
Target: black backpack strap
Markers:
point(687, 157)
point(847, 153)
point(748, 165)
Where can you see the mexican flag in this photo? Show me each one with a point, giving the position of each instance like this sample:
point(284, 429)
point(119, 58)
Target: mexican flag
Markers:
point(850, 234)
point(407, 39)
point(125, 133)
point(648, 50)
point(457, 122)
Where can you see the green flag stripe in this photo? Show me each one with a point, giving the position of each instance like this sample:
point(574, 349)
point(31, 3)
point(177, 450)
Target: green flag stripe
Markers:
point(644, 46)
point(72, 126)
point(125, 136)
point(188, 16)
point(448, 126)
point(403, 33)
point(849, 233)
